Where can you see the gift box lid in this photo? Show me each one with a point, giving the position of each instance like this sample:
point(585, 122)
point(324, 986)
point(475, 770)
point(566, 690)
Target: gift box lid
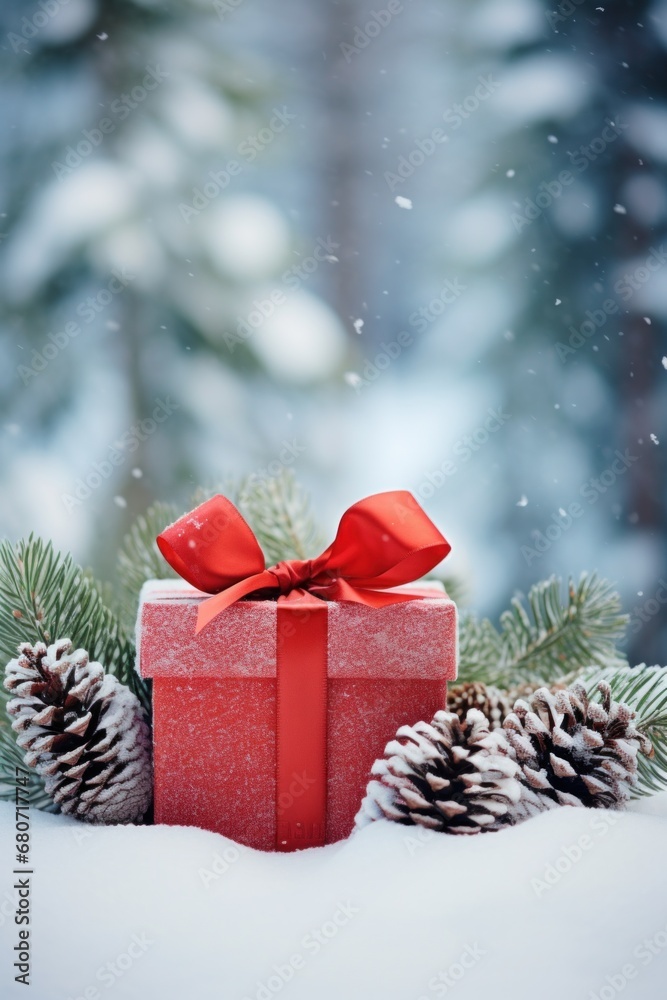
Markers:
point(415, 639)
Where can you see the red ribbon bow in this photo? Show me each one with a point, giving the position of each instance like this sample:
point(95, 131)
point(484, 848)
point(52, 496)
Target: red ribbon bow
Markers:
point(383, 541)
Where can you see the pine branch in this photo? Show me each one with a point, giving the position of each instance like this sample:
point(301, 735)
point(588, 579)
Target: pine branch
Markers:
point(139, 559)
point(45, 596)
point(543, 639)
point(644, 689)
point(278, 511)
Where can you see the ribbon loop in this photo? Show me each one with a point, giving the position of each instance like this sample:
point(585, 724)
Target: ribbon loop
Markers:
point(383, 541)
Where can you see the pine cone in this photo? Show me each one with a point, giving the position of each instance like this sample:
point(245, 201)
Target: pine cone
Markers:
point(83, 731)
point(526, 691)
point(495, 704)
point(573, 751)
point(490, 701)
point(452, 775)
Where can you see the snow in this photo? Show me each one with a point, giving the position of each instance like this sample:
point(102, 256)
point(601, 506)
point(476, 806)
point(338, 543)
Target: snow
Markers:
point(403, 202)
point(301, 341)
point(88, 201)
point(499, 23)
point(573, 896)
point(200, 115)
point(71, 21)
point(480, 228)
point(247, 238)
point(541, 87)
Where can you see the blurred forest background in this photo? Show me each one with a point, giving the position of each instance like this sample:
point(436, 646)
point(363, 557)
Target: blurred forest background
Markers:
point(386, 244)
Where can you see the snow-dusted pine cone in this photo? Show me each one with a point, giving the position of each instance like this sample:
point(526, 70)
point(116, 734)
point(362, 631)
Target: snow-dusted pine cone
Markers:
point(490, 701)
point(574, 751)
point(495, 704)
point(452, 775)
point(83, 731)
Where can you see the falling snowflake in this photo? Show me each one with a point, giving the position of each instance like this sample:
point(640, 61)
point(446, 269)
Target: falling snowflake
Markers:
point(103, 36)
point(552, 138)
point(647, 320)
point(137, 473)
point(620, 209)
point(558, 302)
point(358, 325)
point(353, 379)
point(523, 502)
point(510, 173)
point(120, 502)
point(664, 363)
point(403, 202)
point(654, 438)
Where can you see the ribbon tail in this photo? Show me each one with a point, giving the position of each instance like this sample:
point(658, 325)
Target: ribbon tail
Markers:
point(211, 608)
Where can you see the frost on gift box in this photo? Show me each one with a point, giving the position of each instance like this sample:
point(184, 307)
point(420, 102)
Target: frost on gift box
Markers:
point(269, 713)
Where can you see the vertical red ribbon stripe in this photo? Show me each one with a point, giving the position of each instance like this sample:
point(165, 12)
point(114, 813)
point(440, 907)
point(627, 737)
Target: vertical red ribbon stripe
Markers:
point(301, 722)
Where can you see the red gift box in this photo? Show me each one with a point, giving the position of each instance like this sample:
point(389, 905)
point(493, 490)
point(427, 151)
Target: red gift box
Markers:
point(266, 727)
point(215, 705)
